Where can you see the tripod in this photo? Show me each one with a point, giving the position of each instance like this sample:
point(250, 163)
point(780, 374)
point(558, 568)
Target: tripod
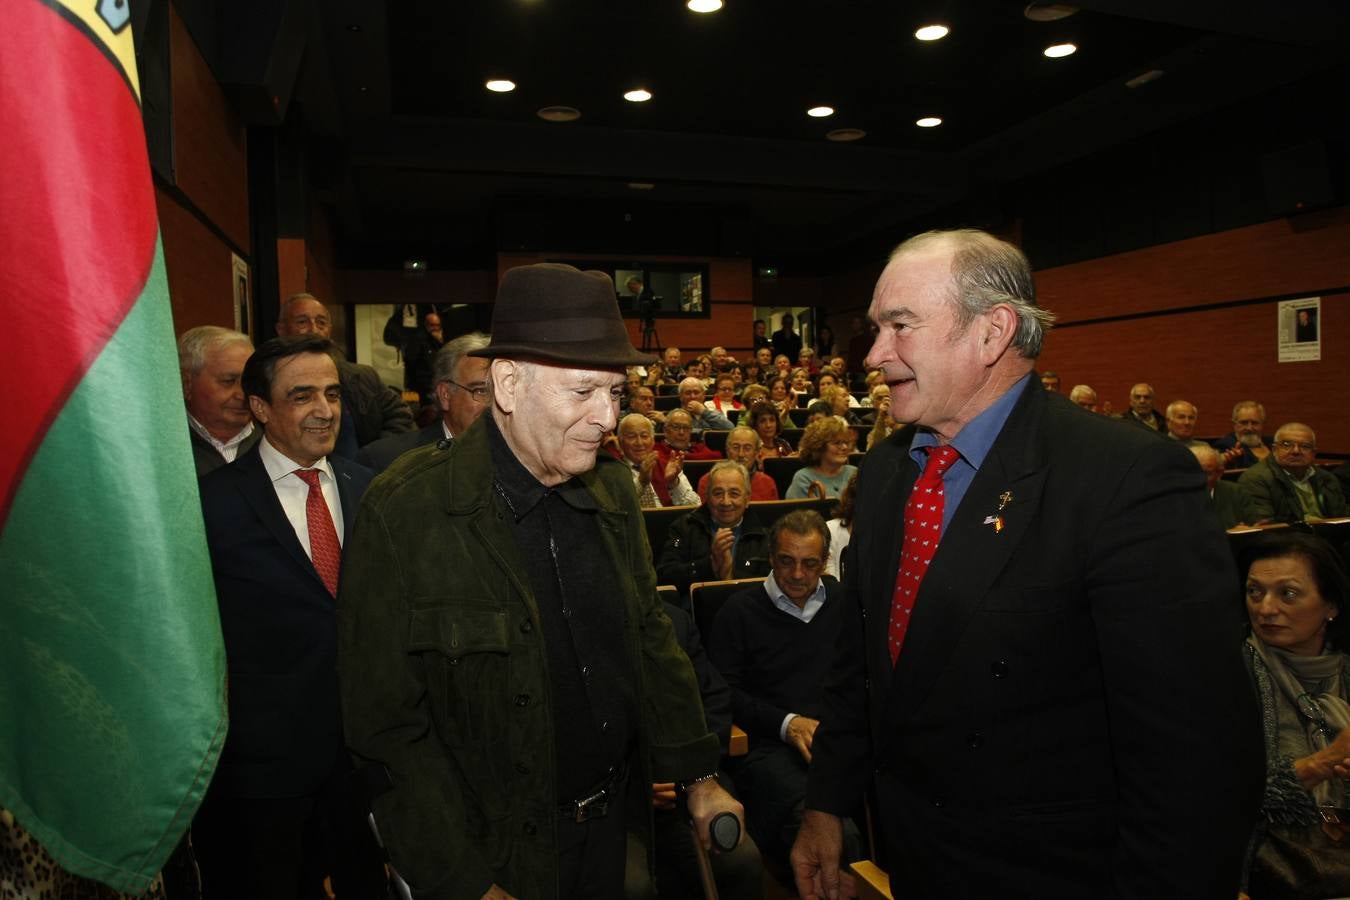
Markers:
point(651, 341)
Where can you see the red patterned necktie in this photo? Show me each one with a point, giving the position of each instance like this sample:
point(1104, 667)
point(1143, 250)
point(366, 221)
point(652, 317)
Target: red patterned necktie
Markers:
point(922, 529)
point(324, 548)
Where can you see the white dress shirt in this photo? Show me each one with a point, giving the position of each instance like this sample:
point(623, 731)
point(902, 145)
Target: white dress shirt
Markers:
point(228, 449)
point(293, 492)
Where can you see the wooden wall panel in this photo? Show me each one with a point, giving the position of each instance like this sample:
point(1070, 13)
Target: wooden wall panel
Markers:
point(1279, 258)
point(291, 277)
point(1214, 358)
point(210, 159)
point(197, 261)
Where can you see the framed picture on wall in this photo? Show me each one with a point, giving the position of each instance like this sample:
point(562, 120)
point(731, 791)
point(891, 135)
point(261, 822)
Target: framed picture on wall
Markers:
point(243, 297)
point(656, 290)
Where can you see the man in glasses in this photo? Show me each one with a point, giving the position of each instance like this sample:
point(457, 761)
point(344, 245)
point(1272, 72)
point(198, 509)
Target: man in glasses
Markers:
point(1287, 487)
point(460, 383)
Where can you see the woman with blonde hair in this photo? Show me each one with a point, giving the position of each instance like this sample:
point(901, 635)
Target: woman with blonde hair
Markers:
point(825, 448)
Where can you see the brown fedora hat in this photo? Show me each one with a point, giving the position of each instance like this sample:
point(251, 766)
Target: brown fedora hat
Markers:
point(561, 314)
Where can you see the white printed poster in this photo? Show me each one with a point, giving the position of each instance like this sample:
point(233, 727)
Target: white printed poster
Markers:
point(1300, 329)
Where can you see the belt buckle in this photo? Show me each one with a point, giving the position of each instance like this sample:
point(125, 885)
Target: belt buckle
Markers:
point(596, 806)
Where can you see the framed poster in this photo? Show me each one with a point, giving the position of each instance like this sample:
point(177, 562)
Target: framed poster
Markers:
point(243, 321)
point(1299, 326)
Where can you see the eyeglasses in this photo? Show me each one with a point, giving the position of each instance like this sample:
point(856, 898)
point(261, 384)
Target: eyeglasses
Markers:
point(479, 394)
point(1305, 446)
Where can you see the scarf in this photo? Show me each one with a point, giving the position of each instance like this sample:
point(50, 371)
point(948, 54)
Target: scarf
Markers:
point(1309, 692)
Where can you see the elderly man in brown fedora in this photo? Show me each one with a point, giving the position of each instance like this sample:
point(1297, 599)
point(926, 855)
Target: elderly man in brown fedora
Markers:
point(503, 654)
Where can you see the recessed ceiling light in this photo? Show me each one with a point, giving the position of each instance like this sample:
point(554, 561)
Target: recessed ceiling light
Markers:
point(1058, 51)
point(820, 112)
point(845, 134)
point(559, 114)
point(929, 122)
point(932, 32)
point(354, 27)
point(637, 95)
point(1145, 78)
point(1048, 12)
point(704, 6)
point(641, 185)
point(500, 85)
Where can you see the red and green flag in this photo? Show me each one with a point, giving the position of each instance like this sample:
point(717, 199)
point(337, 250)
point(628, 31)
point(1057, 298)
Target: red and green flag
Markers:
point(112, 674)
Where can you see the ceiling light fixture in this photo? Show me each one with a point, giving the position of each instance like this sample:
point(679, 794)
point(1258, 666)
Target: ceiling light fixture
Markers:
point(704, 6)
point(932, 32)
point(929, 122)
point(1141, 80)
point(559, 114)
point(845, 134)
point(641, 185)
point(500, 85)
point(820, 112)
point(637, 95)
point(1059, 51)
point(1048, 12)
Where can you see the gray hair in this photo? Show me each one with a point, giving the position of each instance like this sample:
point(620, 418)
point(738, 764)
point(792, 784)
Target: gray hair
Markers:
point(636, 419)
point(448, 357)
point(196, 343)
point(292, 300)
point(752, 432)
point(1177, 404)
point(730, 465)
point(1205, 452)
point(804, 522)
point(986, 272)
point(1243, 404)
point(692, 382)
point(1081, 392)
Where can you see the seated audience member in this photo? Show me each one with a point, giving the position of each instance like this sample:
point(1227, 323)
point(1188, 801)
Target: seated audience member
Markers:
point(840, 368)
point(772, 644)
point(1246, 446)
point(752, 394)
point(737, 373)
point(806, 359)
point(751, 374)
point(714, 542)
point(801, 385)
point(1141, 411)
point(1050, 381)
point(841, 529)
point(678, 437)
point(1084, 396)
point(838, 399)
point(768, 424)
point(211, 360)
point(371, 409)
point(781, 396)
point(738, 874)
point(721, 360)
point(829, 378)
point(884, 425)
point(724, 400)
point(782, 366)
point(1286, 486)
point(1296, 596)
point(817, 410)
point(658, 482)
point(702, 415)
point(459, 384)
point(825, 447)
point(674, 369)
point(1230, 503)
point(643, 402)
point(764, 359)
point(1181, 418)
point(743, 447)
point(703, 372)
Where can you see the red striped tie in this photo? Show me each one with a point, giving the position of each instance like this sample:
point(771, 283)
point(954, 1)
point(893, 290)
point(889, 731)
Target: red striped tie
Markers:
point(324, 548)
point(922, 528)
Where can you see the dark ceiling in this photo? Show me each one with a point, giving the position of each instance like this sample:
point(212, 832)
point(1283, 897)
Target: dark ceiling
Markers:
point(414, 158)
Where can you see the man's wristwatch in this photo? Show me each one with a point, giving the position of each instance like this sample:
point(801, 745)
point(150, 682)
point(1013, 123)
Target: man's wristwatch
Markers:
point(684, 786)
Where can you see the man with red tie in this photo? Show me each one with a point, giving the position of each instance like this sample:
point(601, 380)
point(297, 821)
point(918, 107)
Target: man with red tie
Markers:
point(280, 815)
point(1040, 672)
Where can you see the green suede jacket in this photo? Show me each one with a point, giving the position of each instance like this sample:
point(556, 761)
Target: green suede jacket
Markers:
point(445, 676)
point(1273, 497)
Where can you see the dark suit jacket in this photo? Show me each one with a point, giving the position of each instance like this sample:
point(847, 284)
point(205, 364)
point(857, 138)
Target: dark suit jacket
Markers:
point(280, 628)
point(376, 409)
point(378, 455)
point(208, 459)
point(1231, 505)
point(1069, 717)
